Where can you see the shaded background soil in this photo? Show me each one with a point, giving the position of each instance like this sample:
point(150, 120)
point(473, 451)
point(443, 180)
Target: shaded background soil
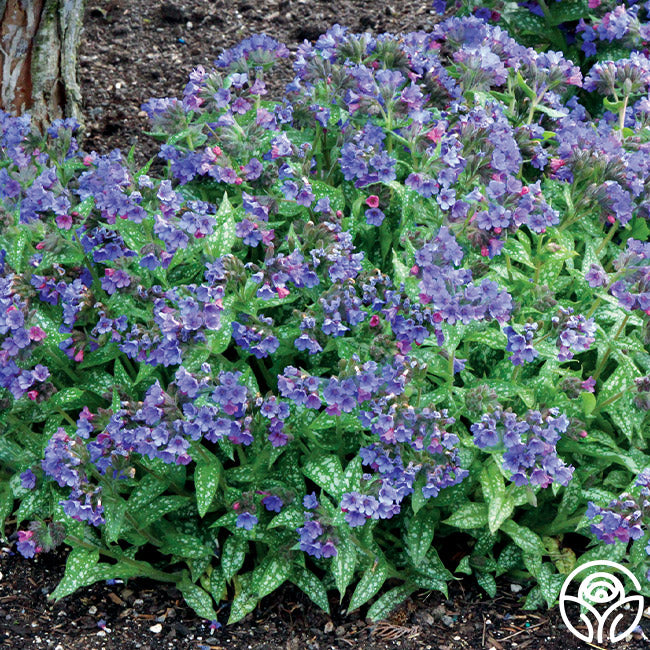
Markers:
point(137, 49)
point(134, 50)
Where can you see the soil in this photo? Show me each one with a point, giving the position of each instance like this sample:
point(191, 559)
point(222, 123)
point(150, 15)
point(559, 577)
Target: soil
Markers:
point(134, 50)
point(150, 616)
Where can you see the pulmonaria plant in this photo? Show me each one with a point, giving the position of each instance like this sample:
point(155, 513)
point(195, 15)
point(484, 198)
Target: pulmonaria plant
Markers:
point(626, 518)
point(334, 324)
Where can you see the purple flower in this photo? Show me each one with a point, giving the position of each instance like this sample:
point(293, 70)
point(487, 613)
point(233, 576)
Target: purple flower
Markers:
point(273, 503)
point(246, 520)
point(374, 217)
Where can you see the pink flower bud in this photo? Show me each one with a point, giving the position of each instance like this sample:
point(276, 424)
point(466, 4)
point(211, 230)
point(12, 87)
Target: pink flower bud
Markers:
point(283, 292)
point(372, 201)
point(87, 160)
point(79, 357)
point(374, 320)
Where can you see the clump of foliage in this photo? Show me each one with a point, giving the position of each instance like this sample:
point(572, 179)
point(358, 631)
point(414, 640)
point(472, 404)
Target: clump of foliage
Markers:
point(408, 303)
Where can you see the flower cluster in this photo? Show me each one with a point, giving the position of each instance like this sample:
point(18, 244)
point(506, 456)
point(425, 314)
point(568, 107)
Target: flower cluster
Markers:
point(625, 518)
point(528, 445)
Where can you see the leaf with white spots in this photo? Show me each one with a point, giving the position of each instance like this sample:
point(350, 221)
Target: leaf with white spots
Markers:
point(244, 601)
point(499, 500)
point(327, 473)
point(310, 585)
point(469, 515)
point(198, 599)
point(79, 571)
point(186, 546)
point(369, 585)
point(419, 536)
point(206, 482)
point(550, 583)
point(217, 584)
point(487, 582)
point(269, 575)
point(114, 511)
point(233, 556)
point(223, 237)
point(384, 605)
point(292, 517)
point(343, 565)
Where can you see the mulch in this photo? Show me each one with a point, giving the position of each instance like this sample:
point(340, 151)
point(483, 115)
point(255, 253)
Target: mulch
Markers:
point(134, 50)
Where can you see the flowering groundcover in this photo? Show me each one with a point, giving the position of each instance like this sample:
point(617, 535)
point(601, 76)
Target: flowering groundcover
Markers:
point(408, 301)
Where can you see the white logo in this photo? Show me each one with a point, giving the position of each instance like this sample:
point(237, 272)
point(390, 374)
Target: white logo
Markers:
point(606, 589)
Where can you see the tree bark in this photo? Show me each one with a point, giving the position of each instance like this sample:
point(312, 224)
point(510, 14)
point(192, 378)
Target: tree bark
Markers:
point(39, 41)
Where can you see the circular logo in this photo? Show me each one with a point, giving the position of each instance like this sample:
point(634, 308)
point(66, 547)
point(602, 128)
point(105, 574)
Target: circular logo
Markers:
point(602, 601)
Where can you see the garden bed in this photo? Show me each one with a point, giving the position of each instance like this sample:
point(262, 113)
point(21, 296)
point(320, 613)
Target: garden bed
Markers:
point(287, 620)
point(136, 50)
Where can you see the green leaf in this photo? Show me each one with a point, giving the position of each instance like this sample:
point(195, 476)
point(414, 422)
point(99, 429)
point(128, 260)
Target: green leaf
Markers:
point(500, 502)
point(528, 541)
point(588, 402)
point(528, 91)
point(220, 242)
point(551, 112)
point(567, 11)
point(269, 575)
point(487, 582)
point(86, 206)
point(100, 356)
point(510, 558)
point(233, 556)
point(114, 511)
point(388, 602)
point(310, 585)
point(148, 489)
point(243, 603)
point(327, 473)
point(206, 482)
point(79, 572)
point(469, 515)
point(369, 585)
point(16, 251)
point(6, 506)
point(186, 546)
point(343, 565)
point(292, 517)
point(419, 536)
point(198, 599)
point(352, 475)
point(550, 583)
point(36, 500)
point(217, 585)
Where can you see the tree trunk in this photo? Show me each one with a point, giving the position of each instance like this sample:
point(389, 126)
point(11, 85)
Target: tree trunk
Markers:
point(39, 40)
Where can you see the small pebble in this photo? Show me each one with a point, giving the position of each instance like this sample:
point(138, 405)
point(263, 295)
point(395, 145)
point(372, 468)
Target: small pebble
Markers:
point(92, 610)
point(156, 629)
point(515, 588)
